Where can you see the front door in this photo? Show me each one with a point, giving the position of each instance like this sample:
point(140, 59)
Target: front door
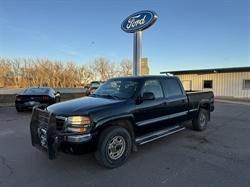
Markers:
point(151, 114)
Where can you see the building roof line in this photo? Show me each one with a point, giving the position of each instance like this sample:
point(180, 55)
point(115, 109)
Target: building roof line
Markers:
point(209, 71)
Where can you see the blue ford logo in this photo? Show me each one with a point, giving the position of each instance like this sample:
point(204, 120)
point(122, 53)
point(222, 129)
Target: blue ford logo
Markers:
point(139, 21)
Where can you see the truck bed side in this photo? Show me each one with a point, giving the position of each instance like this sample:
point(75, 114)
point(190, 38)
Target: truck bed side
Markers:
point(199, 99)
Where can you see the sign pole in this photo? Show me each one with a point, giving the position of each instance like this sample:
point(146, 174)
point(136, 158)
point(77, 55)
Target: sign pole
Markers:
point(137, 53)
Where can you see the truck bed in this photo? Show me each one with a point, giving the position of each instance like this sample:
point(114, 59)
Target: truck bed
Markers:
point(196, 98)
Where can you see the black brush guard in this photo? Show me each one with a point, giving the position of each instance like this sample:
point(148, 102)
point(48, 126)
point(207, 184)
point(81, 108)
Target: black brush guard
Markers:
point(43, 132)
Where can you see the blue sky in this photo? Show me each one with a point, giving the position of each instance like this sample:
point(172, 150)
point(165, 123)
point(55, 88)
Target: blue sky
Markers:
point(189, 34)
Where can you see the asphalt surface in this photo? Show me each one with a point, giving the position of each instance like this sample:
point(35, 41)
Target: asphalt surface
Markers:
point(218, 156)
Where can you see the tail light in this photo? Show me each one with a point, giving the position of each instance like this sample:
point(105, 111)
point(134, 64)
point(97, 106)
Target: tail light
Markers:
point(212, 99)
point(19, 97)
point(92, 91)
point(45, 97)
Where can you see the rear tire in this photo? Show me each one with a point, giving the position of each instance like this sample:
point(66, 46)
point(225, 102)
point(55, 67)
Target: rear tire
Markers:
point(18, 109)
point(114, 146)
point(200, 123)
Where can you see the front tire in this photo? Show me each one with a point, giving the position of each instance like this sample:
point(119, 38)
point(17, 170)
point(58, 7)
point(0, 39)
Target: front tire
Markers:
point(114, 146)
point(200, 123)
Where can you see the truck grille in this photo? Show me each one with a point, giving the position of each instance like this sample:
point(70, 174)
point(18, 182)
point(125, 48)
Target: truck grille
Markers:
point(60, 123)
point(42, 118)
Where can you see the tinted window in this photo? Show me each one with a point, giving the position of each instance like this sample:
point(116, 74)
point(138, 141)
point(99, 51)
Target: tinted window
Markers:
point(246, 84)
point(94, 84)
point(207, 84)
point(172, 87)
point(153, 86)
point(52, 91)
point(121, 88)
point(37, 90)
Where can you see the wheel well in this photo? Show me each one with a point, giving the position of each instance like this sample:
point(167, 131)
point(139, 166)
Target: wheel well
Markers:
point(124, 123)
point(206, 106)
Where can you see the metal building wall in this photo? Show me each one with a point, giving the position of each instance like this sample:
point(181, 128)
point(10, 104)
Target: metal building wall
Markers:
point(224, 84)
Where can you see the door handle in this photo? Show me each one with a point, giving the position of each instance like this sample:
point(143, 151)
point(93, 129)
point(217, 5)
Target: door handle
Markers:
point(165, 104)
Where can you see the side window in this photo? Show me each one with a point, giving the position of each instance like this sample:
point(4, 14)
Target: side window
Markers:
point(246, 84)
point(53, 92)
point(207, 84)
point(153, 86)
point(172, 87)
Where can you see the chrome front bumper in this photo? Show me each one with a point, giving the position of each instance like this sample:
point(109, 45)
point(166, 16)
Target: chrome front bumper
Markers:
point(77, 138)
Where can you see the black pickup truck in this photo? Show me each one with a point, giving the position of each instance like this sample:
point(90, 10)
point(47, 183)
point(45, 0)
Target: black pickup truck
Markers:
point(120, 115)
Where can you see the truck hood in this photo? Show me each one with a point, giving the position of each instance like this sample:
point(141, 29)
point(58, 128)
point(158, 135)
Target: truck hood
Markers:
point(82, 105)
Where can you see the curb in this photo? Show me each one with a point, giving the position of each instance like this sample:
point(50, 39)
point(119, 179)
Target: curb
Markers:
point(243, 102)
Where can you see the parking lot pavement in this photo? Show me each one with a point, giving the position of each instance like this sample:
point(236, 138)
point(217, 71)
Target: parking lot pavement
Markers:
point(218, 156)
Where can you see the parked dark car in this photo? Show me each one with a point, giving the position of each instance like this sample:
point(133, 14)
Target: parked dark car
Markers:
point(92, 87)
point(35, 96)
point(122, 114)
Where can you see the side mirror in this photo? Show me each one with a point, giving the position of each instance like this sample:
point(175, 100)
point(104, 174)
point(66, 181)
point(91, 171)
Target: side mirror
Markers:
point(148, 96)
point(145, 96)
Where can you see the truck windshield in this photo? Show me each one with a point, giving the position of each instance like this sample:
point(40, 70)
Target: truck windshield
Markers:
point(118, 88)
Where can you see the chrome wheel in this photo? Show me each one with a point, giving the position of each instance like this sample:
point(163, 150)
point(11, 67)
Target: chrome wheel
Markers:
point(200, 123)
point(116, 147)
point(203, 120)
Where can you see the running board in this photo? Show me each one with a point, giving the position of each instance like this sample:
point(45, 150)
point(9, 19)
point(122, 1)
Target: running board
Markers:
point(158, 134)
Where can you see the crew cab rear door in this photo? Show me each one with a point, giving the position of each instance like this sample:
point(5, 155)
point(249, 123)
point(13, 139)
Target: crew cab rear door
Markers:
point(176, 98)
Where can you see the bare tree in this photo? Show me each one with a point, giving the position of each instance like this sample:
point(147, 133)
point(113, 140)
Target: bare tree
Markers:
point(25, 72)
point(126, 67)
point(104, 68)
point(88, 74)
point(5, 73)
point(16, 65)
point(57, 71)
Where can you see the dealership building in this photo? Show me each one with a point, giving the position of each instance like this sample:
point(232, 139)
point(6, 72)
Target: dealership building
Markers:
point(224, 82)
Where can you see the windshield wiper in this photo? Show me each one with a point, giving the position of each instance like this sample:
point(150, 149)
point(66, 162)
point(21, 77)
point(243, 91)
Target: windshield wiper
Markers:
point(110, 96)
point(94, 95)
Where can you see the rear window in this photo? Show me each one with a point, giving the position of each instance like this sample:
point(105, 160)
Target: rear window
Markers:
point(37, 90)
point(94, 84)
point(172, 87)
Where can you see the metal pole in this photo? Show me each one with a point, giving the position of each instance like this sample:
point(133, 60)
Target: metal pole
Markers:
point(90, 51)
point(137, 53)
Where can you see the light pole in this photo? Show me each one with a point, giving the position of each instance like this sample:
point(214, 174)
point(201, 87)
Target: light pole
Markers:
point(90, 47)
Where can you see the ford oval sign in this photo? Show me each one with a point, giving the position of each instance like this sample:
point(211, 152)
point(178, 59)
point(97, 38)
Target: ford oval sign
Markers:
point(139, 21)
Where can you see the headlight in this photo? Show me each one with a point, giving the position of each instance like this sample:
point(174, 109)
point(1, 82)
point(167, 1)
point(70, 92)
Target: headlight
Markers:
point(78, 124)
point(78, 120)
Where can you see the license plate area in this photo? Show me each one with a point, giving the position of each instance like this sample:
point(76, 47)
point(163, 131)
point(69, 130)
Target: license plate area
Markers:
point(43, 138)
point(32, 102)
